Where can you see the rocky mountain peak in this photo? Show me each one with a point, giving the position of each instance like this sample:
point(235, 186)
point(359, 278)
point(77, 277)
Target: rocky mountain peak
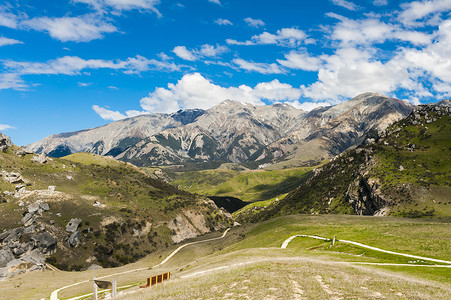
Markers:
point(445, 102)
point(233, 131)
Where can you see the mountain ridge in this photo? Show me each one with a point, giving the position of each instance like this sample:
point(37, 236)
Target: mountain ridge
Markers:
point(233, 131)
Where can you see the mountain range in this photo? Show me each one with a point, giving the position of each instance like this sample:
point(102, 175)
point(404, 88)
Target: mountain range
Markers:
point(234, 132)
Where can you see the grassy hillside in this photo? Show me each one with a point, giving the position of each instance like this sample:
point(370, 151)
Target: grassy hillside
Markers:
point(405, 172)
point(249, 262)
point(130, 218)
point(246, 185)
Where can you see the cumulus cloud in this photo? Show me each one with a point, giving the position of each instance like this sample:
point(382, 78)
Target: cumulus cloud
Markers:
point(6, 127)
point(288, 37)
point(350, 72)
point(435, 59)
point(212, 51)
point(262, 68)
point(419, 10)
point(184, 53)
point(254, 22)
point(195, 91)
point(301, 60)
point(6, 41)
point(345, 4)
point(372, 30)
point(223, 22)
point(75, 29)
point(73, 65)
point(204, 51)
point(276, 91)
point(107, 114)
point(121, 5)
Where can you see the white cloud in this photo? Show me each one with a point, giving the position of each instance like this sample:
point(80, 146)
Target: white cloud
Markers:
point(6, 127)
point(262, 68)
point(111, 87)
point(11, 81)
point(418, 10)
point(380, 2)
point(8, 19)
point(84, 84)
point(122, 5)
point(215, 1)
point(276, 91)
point(204, 51)
point(223, 22)
point(76, 29)
point(195, 91)
point(372, 30)
point(300, 61)
point(350, 72)
point(254, 22)
point(6, 41)
point(288, 37)
point(308, 105)
point(435, 59)
point(184, 53)
point(107, 114)
point(72, 65)
point(212, 51)
point(345, 4)
point(164, 56)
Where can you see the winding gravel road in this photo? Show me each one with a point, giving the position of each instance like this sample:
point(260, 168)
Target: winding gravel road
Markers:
point(54, 294)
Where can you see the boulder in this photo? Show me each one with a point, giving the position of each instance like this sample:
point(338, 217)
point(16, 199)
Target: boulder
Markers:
point(19, 186)
point(73, 224)
point(44, 206)
point(28, 219)
point(23, 151)
point(29, 229)
point(5, 257)
point(13, 236)
point(45, 242)
point(35, 257)
point(13, 177)
point(20, 153)
point(32, 208)
point(41, 158)
point(74, 239)
point(94, 267)
point(5, 142)
point(4, 235)
point(51, 188)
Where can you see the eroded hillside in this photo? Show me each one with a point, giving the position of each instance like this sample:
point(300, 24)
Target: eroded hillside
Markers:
point(404, 172)
point(85, 210)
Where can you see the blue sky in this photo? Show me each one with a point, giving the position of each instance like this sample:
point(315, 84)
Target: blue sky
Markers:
point(74, 64)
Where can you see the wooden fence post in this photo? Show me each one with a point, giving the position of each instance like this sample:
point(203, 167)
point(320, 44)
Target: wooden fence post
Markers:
point(94, 287)
point(114, 289)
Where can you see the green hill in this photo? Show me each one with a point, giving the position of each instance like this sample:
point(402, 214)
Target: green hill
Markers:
point(255, 185)
point(404, 172)
point(125, 214)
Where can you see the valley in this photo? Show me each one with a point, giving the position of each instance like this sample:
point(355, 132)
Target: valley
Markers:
point(220, 230)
